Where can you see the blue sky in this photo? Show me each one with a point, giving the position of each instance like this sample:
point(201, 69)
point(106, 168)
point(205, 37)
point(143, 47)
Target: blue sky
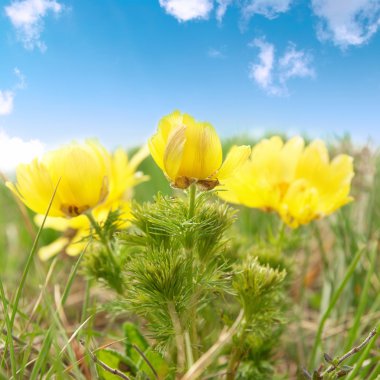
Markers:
point(110, 69)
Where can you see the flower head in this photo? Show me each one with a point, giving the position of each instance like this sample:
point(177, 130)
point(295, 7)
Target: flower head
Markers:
point(299, 183)
point(75, 231)
point(189, 152)
point(123, 176)
point(82, 171)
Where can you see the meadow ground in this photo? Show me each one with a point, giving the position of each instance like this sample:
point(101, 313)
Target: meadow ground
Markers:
point(332, 290)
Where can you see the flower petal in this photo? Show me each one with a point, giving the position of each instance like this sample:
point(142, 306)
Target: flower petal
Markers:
point(157, 143)
point(157, 149)
point(290, 155)
point(313, 163)
point(139, 157)
point(57, 246)
point(35, 188)
point(83, 174)
point(174, 152)
point(233, 162)
point(78, 244)
point(56, 223)
point(202, 155)
point(300, 205)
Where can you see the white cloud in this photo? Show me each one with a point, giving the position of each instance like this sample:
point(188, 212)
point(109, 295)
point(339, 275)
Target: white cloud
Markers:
point(347, 22)
point(21, 84)
point(267, 8)
point(295, 63)
point(272, 74)
point(14, 151)
point(185, 10)
point(6, 102)
point(27, 18)
point(222, 8)
point(262, 72)
point(7, 96)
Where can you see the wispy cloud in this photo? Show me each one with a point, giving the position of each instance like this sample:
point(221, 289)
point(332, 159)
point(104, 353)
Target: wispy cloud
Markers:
point(14, 150)
point(262, 71)
point(222, 8)
point(295, 64)
point(27, 17)
point(21, 84)
point(267, 8)
point(6, 102)
point(216, 53)
point(272, 74)
point(347, 23)
point(185, 10)
point(7, 96)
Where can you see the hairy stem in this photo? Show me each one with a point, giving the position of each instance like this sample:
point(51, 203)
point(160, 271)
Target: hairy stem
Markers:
point(208, 357)
point(233, 363)
point(189, 350)
point(179, 338)
point(236, 356)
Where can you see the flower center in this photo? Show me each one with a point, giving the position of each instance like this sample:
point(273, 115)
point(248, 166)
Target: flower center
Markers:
point(73, 210)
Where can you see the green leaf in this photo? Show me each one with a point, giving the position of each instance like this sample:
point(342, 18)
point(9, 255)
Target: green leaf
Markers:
point(135, 338)
point(114, 360)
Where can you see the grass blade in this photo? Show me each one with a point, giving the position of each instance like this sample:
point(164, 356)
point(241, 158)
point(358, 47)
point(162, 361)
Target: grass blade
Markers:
point(318, 339)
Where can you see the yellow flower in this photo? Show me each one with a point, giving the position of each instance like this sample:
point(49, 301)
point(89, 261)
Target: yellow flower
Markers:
point(123, 175)
point(122, 178)
point(75, 231)
point(82, 171)
point(299, 183)
point(189, 152)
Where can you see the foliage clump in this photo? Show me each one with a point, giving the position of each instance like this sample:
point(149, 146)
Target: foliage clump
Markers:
point(179, 279)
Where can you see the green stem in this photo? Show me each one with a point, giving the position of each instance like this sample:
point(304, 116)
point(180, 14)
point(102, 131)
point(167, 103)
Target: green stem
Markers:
point(280, 237)
point(179, 338)
point(321, 246)
point(281, 233)
point(318, 338)
point(192, 195)
point(208, 357)
point(236, 355)
point(194, 334)
point(72, 275)
point(193, 331)
point(189, 350)
point(9, 332)
point(233, 363)
point(86, 300)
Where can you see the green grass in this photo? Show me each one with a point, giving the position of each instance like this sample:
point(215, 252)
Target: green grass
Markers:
point(334, 288)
